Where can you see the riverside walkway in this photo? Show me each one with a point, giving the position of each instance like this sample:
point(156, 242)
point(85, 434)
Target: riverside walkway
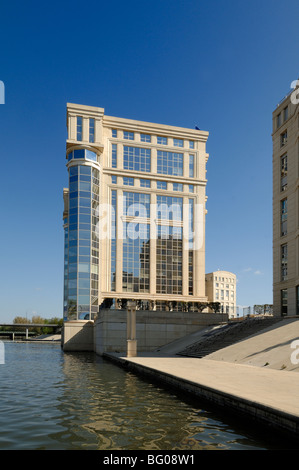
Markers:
point(268, 396)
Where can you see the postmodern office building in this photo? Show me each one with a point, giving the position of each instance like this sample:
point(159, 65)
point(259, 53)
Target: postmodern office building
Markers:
point(286, 206)
point(134, 214)
point(221, 287)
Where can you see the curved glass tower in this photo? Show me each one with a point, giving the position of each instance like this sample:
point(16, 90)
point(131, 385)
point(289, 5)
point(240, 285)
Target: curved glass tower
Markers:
point(81, 216)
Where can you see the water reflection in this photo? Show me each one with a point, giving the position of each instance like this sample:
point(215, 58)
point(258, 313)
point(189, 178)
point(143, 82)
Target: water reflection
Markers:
point(56, 400)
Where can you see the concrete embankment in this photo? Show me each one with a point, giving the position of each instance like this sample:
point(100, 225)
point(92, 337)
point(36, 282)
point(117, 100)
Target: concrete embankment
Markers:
point(239, 378)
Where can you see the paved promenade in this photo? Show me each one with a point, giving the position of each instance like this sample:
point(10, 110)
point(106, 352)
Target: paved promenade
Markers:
point(269, 396)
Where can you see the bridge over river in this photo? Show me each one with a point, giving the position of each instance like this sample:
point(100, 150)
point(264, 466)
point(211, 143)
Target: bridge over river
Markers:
point(15, 329)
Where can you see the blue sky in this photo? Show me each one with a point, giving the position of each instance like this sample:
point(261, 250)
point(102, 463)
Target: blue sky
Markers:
point(220, 65)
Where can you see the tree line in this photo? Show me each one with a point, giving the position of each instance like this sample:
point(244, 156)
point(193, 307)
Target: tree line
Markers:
point(35, 319)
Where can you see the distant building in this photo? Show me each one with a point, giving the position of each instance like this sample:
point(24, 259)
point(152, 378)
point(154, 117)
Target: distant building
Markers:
point(147, 182)
point(221, 286)
point(286, 206)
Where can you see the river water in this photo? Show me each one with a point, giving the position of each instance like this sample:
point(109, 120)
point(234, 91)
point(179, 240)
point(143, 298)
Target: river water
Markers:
point(55, 400)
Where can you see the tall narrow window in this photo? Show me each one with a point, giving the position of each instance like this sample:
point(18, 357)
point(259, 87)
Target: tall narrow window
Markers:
point(91, 130)
point(79, 127)
point(284, 216)
point(114, 156)
point(285, 114)
point(284, 173)
point(191, 166)
point(284, 302)
point(283, 138)
point(284, 262)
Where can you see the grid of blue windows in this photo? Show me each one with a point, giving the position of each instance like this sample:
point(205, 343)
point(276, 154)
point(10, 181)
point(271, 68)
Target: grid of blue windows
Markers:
point(161, 140)
point(128, 135)
point(191, 245)
point(66, 247)
point(91, 130)
point(136, 204)
point(84, 154)
point(114, 156)
point(177, 186)
point(79, 127)
point(170, 163)
point(169, 260)
point(169, 208)
point(113, 240)
point(137, 159)
point(191, 166)
point(178, 142)
point(161, 185)
point(83, 249)
point(145, 183)
point(136, 253)
point(127, 181)
point(145, 138)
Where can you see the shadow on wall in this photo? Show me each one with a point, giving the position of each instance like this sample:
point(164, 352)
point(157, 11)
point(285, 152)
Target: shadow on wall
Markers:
point(78, 336)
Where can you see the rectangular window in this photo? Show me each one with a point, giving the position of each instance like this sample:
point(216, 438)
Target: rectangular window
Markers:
point(128, 181)
point(191, 188)
point(284, 173)
point(114, 133)
point(91, 130)
point(284, 262)
point(145, 138)
point(114, 156)
point(278, 120)
point(128, 135)
point(137, 159)
point(169, 208)
point(136, 253)
point(161, 185)
point(283, 138)
point(169, 163)
point(178, 142)
point(136, 204)
point(284, 302)
point(169, 260)
point(145, 183)
point(191, 166)
point(284, 216)
point(161, 140)
point(285, 114)
point(177, 186)
point(79, 127)
point(113, 179)
point(191, 144)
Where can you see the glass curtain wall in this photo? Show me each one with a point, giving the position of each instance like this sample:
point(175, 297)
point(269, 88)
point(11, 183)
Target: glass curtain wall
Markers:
point(83, 243)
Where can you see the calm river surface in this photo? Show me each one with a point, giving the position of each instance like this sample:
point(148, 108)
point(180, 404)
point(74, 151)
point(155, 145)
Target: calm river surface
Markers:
point(55, 400)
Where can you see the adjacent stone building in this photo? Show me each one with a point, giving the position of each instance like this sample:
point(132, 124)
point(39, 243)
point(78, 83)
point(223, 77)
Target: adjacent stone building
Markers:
point(221, 286)
point(286, 206)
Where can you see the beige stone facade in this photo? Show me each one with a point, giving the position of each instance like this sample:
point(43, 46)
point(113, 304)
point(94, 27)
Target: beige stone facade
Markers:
point(221, 286)
point(157, 166)
point(286, 206)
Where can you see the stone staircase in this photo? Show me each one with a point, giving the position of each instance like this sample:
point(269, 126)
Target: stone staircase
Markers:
point(228, 334)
